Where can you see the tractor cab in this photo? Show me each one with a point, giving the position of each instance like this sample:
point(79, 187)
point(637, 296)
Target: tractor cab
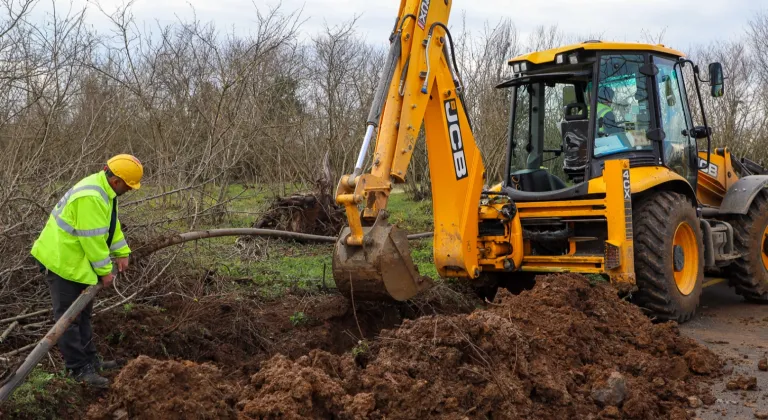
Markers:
point(577, 106)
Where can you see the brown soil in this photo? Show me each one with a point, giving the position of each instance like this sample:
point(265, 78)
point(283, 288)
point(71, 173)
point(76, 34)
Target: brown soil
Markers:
point(566, 349)
point(240, 334)
point(152, 389)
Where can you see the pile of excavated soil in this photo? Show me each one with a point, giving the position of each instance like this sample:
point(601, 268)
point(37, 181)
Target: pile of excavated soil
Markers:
point(153, 389)
point(239, 334)
point(566, 349)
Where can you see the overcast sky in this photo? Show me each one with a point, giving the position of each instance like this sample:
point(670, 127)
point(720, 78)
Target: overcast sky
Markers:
point(686, 22)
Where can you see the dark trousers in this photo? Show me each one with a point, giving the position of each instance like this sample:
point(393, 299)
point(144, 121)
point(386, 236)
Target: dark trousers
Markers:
point(76, 344)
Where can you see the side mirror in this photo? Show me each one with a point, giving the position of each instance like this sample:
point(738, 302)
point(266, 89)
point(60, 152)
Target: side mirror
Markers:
point(716, 79)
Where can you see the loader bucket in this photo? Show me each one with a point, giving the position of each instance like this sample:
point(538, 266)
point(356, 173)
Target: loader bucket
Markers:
point(380, 270)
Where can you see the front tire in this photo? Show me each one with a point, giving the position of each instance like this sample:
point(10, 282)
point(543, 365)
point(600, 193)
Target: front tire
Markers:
point(669, 256)
point(750, 272)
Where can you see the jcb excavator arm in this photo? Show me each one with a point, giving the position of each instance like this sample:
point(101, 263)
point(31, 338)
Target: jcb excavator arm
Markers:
point(420, 86)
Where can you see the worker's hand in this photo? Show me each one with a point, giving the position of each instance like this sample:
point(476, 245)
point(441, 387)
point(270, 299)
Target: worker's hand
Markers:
point(107, 280)
point(122, 264)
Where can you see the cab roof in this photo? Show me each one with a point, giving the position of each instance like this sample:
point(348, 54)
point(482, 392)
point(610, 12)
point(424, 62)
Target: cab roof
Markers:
point(547, 56)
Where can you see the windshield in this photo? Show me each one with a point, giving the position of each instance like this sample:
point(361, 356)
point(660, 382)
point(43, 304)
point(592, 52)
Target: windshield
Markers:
point(623, 115)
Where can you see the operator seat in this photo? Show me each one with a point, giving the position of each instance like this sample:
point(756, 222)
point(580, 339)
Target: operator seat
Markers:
point(574, 129)
point(536, 180)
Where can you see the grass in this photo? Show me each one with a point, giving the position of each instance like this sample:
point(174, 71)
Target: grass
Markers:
point(360, 349)
point(413, 216)
point(270, 264)
point(42, 394)
point(298, 318)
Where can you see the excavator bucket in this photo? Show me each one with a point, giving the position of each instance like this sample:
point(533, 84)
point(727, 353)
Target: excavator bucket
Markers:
point(381, 269)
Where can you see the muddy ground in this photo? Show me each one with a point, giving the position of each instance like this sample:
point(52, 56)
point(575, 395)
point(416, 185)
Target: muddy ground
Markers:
point(738, 332)
point(569, 348)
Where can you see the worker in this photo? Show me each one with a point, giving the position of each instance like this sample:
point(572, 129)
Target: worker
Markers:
point(75, 250)
point(606, 119)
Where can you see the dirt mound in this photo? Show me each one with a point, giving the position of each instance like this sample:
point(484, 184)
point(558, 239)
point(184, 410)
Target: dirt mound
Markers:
point(238, 334)
point(566, 349)
point(152, 389)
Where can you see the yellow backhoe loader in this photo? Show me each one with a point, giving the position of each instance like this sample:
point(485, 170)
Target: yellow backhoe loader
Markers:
point(606, 174)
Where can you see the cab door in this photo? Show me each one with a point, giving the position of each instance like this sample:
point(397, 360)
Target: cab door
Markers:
point(678, 147)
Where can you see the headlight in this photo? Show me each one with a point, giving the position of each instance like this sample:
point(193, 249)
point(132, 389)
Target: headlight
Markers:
point(560, 59)
point(516, 68)
point(523, 66)
point(573, 59)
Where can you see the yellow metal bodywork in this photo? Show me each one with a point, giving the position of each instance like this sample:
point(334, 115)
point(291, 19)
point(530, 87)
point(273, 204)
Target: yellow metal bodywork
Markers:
point(456, 166)
point(548, 56)
point(609, 199)
point(614, 205)
point(715, 179)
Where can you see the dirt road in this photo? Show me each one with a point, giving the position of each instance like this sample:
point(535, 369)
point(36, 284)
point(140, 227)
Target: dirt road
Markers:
point(738, 332)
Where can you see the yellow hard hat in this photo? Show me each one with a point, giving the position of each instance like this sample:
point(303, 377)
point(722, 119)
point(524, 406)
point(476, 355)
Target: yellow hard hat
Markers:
point(128, 168)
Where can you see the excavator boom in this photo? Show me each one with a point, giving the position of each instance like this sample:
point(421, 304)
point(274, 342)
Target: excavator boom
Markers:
point(420, 87)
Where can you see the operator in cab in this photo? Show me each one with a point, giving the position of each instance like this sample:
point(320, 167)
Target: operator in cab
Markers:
point(606, 119)
point(75, 250)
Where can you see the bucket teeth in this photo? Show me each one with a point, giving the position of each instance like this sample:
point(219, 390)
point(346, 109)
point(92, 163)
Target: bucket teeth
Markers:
point(382, 269)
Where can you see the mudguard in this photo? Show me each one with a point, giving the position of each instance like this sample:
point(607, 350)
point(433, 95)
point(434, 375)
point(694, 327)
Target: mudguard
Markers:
point(739, 196)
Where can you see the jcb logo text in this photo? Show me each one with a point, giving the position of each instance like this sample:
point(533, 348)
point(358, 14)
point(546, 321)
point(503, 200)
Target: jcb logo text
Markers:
point(457, 145)
point(711, 170)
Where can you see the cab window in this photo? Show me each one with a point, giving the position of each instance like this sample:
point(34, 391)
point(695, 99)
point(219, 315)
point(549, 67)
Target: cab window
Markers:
point(623, 115)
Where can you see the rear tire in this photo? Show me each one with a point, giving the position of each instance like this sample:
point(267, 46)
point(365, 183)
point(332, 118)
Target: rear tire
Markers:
point(749, 274)
point(669, 256)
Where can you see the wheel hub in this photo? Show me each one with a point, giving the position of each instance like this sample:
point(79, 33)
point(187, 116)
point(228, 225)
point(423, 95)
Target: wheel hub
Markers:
point(765, 248)
point(678, 258)
point(685, 255)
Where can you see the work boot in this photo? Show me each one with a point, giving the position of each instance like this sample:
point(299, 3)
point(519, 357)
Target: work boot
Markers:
point(88, 376)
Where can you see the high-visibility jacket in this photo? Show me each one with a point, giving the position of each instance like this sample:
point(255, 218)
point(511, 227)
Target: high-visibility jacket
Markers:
point(73, 243)
point(602, 111)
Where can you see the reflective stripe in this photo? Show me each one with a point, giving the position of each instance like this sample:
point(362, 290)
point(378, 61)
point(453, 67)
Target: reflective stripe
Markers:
point(66, 227)
point(93, 188)
point(102, 263)
point(603, 110)
point(118, 245)
point(92, 232)
point(63, 202)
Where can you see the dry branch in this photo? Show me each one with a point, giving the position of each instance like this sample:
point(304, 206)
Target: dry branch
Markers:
point(10, 328)
point(159, 244)
point(23, 316)
point(18, 350)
